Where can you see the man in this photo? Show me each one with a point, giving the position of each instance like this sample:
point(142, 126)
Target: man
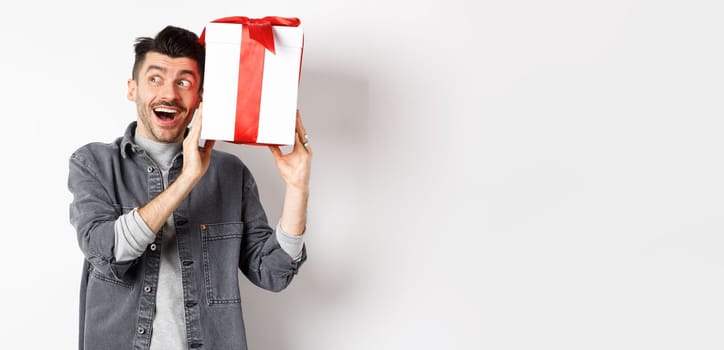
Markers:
point(165, 225)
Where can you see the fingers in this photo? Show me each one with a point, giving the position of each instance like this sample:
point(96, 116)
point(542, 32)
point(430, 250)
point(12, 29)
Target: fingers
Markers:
point(192, 140)
point(301, 133)
point(300, 126)
point(195, 132)
point(276, 151)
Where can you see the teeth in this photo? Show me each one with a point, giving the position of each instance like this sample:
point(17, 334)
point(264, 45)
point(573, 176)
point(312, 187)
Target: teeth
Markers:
point(164, 110)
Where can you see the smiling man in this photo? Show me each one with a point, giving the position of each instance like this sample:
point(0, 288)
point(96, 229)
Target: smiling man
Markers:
point(165, 94)
point(165, 225)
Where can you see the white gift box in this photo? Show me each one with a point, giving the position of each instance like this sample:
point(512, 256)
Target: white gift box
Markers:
point(251, 98)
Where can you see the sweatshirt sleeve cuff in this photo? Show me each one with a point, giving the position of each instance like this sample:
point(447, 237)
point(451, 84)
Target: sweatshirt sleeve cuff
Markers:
point(292, 245)
point(132, 236)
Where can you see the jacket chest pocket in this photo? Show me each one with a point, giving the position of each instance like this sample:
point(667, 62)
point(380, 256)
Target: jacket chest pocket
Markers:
point(220, 244)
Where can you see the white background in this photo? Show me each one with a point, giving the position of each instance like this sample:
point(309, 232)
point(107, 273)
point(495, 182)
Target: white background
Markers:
point(504, 175)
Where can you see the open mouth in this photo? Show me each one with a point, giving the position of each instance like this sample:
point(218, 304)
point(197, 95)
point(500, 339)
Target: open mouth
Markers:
point(165, 113)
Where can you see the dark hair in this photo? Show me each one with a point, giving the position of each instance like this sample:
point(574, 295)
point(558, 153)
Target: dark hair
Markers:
point(173, 42)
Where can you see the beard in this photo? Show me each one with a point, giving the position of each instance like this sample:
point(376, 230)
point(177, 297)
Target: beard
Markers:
point(155, 132)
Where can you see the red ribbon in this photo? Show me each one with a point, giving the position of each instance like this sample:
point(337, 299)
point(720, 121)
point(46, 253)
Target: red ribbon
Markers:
point(260, 29)
point(256, 36)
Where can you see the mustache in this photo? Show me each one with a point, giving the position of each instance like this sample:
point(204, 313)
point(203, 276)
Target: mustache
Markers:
point(168, 104)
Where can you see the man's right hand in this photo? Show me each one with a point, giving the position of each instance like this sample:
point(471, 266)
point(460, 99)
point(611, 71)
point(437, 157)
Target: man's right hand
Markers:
point(195, 163)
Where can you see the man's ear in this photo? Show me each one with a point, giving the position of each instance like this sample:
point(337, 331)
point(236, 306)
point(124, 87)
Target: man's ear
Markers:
point(131, 90)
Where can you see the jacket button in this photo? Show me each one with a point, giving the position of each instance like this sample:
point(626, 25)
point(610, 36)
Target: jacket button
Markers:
point(150, 169)
point(203, 227)
point(147, 289)
point(153, 247)
point(140, 330)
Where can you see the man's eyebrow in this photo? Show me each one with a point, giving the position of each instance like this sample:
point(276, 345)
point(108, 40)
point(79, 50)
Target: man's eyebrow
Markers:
point(188, 71)
point(163, 70)
point(152, 67)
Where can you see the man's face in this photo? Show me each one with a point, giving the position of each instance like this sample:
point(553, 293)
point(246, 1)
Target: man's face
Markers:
point(166, 93)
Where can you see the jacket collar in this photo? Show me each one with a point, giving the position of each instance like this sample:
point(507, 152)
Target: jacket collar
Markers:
point(127, 142)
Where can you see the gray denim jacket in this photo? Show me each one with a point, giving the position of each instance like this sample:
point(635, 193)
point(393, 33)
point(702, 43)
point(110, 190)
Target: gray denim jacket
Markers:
point(221, 227)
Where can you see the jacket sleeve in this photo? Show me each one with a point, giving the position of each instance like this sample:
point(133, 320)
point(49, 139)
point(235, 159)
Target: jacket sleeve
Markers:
point(93, 214)
point(262, 259)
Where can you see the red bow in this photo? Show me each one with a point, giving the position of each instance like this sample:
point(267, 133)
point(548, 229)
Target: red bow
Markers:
point(260, 29)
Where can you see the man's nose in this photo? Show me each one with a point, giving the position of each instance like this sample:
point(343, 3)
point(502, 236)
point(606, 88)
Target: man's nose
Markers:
point(169, 91)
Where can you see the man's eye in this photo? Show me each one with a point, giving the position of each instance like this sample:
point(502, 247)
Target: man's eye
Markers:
point(155, 80)
point(184, 83)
